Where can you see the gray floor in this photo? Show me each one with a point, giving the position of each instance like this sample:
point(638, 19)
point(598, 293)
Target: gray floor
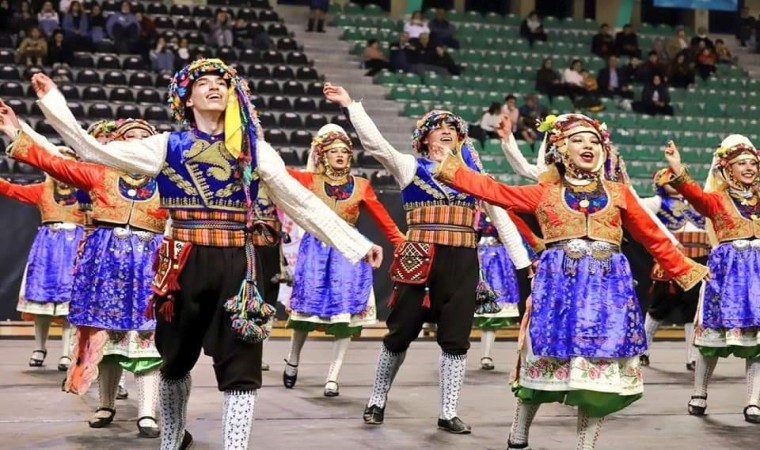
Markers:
point(35, 414)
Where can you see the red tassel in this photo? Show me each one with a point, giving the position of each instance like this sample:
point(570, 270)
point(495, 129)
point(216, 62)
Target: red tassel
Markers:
point(150, 312)
point(172, 282)
point(167, 309)
point(394, 297)
point(671, 288)
point(426, 298)
point(156, 260)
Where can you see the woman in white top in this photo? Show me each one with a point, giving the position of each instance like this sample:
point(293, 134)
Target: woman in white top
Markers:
point(490, 120)
point(416, 25)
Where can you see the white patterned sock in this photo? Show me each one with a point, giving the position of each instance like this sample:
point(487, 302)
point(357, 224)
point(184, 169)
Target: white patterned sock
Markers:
point(451, 377)
point(66, 339)
point(172, 402)
point(147, 394)
point(108, 383)
point(650, 328)
point(691, 349)
point(487, 337)
point(296, 344)
point(388, 364)
point(237, 418)
point(702, 374)
point(588, 430)
point(524, 415)
point(41, 331)
point(340, 346)
point(753, 385)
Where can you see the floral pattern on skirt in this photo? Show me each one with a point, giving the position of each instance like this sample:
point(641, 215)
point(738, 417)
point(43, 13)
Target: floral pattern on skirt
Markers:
point(732, 296)
point(49, 271)
point(500, 274)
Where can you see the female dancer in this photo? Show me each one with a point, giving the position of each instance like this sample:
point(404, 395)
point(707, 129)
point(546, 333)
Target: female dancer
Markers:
point(112, 283)
point(584, 331)
point(330, 293)
point(728, 315)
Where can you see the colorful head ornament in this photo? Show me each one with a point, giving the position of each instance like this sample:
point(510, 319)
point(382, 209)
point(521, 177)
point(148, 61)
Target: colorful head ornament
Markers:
point(101, 128)
point(124, 126)
point(558, 129)
point(659, 186)
point(240, 123)
point(432, 120)
point(327, 138)
point(734, 148)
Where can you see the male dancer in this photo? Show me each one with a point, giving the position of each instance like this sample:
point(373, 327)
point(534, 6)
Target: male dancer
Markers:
point(208, 177)
point(436, 269)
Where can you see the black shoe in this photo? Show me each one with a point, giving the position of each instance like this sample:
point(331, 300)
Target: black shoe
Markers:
point(264, 367)
point(122, 393)
point(511, 446)
point(697, 410)
point(644, 360)
point(320, 26)
point(289, 380)
point(150, 432)
point(63, 363)
point(691, 367)
point(37, 362)
point(374, 415)
point(332, 389)
point(486, 363)
point(751, 418)
point(187, 441)
point(455, 426)
point(102, 422)
point(310, 26)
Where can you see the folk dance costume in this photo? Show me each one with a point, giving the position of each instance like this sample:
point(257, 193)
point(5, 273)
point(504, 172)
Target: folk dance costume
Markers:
point(499, 277)
point(205, 281)
point(436, 270)
point(112, 282)
point(330, 293)
point(46, 287)
point(688, 226)
point(728, 317)
point(584, 330)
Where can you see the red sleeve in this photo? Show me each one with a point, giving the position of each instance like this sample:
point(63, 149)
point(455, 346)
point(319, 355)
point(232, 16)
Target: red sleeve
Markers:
point(85, 176)
point(535, 242)
point(683, 270)
point(706, 203)
point(381, 217)
point(523, 199)
point(305, 178)
point(25, 194)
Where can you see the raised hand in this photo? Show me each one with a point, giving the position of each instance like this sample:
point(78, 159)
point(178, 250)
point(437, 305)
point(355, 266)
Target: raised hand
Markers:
point(337, 95)
point(8, 121)
point(505, 127)
point(673, 157)
point(375, 256)
point(438, 152)
point(42, 84)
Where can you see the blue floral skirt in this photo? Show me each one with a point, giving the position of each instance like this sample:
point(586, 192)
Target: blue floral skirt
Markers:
point(501, 276)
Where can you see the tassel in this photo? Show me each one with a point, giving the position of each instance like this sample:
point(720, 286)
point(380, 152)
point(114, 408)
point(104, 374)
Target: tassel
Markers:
point(426, 298)
point(671, 288)
point(394, 296)
point(150, 312)
point(167, 309)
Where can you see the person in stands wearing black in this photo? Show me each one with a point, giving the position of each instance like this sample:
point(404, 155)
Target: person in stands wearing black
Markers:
point(627, 43)
point(603, 44)
point(655, 99)
point(611, 80)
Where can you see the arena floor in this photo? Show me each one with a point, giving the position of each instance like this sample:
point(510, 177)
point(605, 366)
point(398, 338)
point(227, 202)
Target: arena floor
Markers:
point(35, 414)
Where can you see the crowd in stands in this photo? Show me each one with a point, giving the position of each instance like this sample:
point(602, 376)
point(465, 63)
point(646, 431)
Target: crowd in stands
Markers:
point(51, 34)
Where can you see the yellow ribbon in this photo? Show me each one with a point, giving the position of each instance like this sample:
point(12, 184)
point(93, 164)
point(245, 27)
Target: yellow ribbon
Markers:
point(233, 125)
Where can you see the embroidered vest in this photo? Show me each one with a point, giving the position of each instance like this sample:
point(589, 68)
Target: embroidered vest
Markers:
point(129, 201)
point(58, 203)
point(730, 225)
point(346, 208)
point(674, 213)
point(559, 222)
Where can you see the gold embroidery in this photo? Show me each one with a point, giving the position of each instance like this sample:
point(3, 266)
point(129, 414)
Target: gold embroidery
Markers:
point(111, 207)
point(448, 168)
point(347, 209)
point(20, 147)
point(178, 181)
point(430, 190)
point(695, 274)
point(52, 211)
point(216, 156)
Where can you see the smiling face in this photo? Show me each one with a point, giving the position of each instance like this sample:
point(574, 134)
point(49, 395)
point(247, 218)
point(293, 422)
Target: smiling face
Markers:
point(584, 150)
point(744, 171)
point(445, 134)
point(339, 157)
point(209, 94)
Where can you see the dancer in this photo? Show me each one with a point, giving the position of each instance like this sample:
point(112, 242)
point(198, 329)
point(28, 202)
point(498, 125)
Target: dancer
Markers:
point(688, 227)
point(584, 329)
point(46, 287)
point(728, 316)
point(436, 270)
point(112, 283)
point(208, 177)
point(330, 293)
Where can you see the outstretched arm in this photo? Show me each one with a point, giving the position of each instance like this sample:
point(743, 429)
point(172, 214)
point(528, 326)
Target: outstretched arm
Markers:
point(381, 217)
point(509, 236)
point(310, 212)
point(512, 151)
point(403, 166)
point(707, 204)
point(651, 205)
point(29, 194)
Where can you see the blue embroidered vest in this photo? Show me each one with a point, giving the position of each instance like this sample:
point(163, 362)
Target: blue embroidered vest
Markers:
point(424, 190)
point(674, 213)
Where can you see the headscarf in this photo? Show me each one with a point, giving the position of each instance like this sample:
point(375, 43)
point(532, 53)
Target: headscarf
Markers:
point(101, 127)
point(328, 137)
point(124, 126)
point(553, 150)
point(432, 120)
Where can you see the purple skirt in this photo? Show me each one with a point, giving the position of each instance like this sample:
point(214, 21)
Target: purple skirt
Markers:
point(50, 269)
point(112, 284)
point(326, 284)
point(585, 307)
point(499, 273)
point(732, 296)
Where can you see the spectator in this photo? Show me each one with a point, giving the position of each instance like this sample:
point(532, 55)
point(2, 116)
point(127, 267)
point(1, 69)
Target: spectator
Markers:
point(706, 63)
point(659, 48)
point(6, 17)
point(572, 79)
point(603, 44)
point(723, 54)
point(261, 39)
point(682, 72)
point(611, 80)
point(532, 29)
point(519, 130)
point(241, 34)
point(161, 57)
point(317, 12)
point(676, 44)
point(374, 58)
point(547, 79)
point(64, 6)
point(627, 43)
point(33, 48)
point(745, 26)
point(702, 37)
point(48, 19)
point(531, 112)
point(423, 56)
point(147, 37)
point(123, 29)
point(23, 19)
point(441, 58)
point(76, 27)
point(416, 26)
point(442, 31)
point(59, 51)
point(183, 53)
point(490, 120)
point(97, 22)
point(631, 70)
point(651, 67)
point(220, 31)
point(401, 53)
point(655, 99)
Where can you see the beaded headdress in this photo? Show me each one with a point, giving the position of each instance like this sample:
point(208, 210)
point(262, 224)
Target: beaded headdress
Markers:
point(432, 120)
